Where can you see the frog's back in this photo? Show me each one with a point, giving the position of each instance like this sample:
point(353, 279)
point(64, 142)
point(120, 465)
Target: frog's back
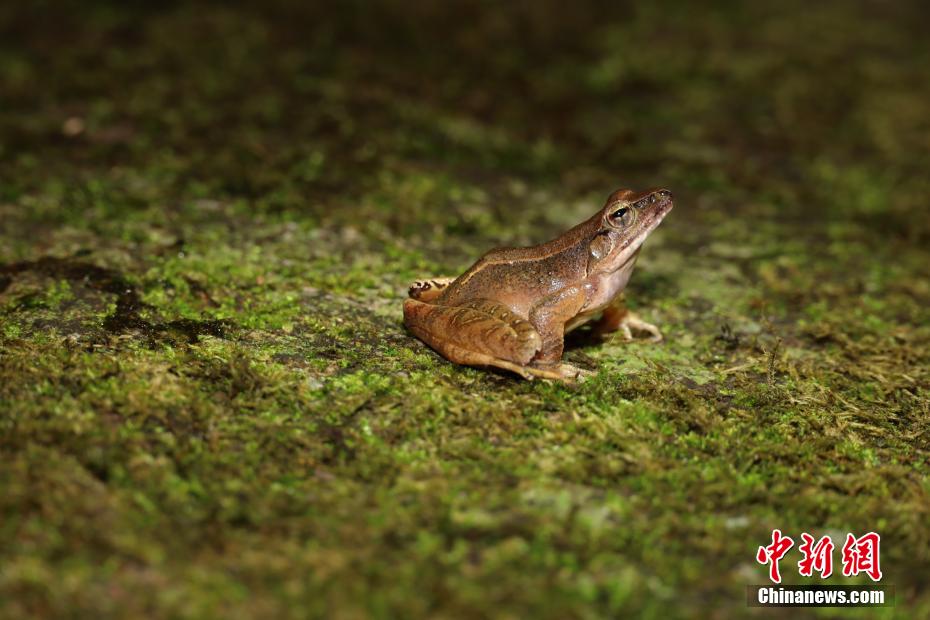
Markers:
point(517, 277)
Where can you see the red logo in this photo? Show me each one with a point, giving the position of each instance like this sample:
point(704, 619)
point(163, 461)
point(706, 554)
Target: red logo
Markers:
point(774, 552)
point(817, 557)
point(860, 555)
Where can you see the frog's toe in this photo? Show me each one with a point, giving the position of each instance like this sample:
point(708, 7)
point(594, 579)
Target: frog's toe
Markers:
point(631, 322)
point(428, 290)
point(566, 373)
point(580, 374)
point(625, 333)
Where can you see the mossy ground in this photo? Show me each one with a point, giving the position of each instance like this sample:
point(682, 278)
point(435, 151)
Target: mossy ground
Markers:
point(209, 405)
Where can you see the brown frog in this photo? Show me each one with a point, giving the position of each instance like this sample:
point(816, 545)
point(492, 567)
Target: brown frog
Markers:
point(513, 307)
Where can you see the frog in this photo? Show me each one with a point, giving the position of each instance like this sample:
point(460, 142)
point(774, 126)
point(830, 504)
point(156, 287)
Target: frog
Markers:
point(512, 308)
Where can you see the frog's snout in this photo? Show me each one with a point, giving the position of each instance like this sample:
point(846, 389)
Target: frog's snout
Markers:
point(654, 198)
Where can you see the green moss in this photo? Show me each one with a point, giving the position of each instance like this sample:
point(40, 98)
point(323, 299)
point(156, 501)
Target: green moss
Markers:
point(209, 405)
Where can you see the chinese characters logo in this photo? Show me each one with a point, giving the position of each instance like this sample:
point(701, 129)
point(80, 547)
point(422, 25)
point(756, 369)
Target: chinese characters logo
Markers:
point(860, 555)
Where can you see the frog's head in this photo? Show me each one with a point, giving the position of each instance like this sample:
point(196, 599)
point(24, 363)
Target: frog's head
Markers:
point(626, 220)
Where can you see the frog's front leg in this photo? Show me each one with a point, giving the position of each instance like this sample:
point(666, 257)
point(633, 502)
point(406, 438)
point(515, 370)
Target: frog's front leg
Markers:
point(479, 333)
point(617, 317)
point(549, 317)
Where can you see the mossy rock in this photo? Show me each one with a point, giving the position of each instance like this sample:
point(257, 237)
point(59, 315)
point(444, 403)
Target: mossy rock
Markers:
point(208, 221)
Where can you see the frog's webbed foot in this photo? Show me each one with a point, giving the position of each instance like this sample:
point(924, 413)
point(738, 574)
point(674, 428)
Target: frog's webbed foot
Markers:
point(428, 290)
point(617, 318)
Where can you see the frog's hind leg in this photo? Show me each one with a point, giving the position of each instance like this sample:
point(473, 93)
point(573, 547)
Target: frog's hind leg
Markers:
point(480, 333)
point(428, 290)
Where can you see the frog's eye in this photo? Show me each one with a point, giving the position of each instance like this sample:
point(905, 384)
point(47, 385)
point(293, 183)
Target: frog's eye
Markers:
point(622, 217)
